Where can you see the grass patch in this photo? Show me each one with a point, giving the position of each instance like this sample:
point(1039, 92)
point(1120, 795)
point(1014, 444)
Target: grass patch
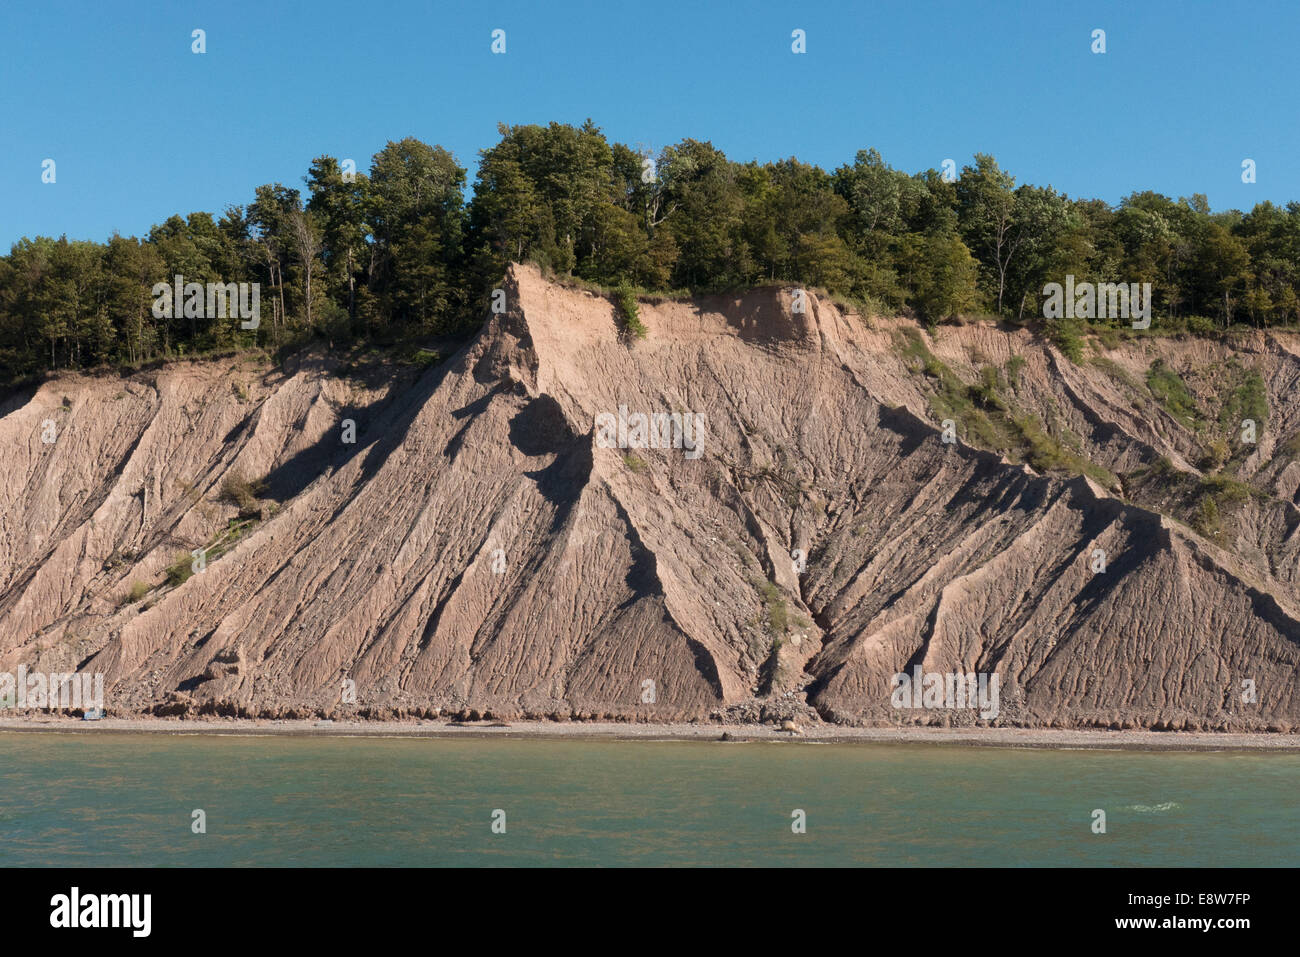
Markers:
point(953, 398)
point(1014, 365)
point(424, 358)
point(1225, 490)
point(1171, 391)
point(989, 421)
point(1108, 337)
point(778, 613)
point(910, 345)
point(1046, 453)
point(1248, 399)
point(1116, 372)
point(404, 354)
point(137, 591)
point(635, 464)
point(1204, 503)
point(182, 569)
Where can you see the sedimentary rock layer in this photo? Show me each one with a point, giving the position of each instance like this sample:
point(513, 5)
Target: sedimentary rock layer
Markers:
point(481, 548)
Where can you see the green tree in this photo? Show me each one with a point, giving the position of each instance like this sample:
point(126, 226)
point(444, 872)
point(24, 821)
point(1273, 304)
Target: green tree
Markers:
point(1223, 268)
point(701, 189)
point(944, 276)
point(270, 215)
point(416, 215)
point(987, 211)
point(1011, 231)
point(339, 206)
point(131, 269)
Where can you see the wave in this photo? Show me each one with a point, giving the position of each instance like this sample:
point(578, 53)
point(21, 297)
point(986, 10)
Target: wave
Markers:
point(1150, 809)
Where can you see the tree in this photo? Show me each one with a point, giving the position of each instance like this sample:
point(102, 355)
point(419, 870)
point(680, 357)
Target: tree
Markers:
point(987, 207)
point(415, 213)
point(874, 193)
point(1223, 266)
point(701, 187)
point(339, 206)
point(944, 276)
point(270, 215)
point(1046, 241)
point(305, 237)
point(399, 251)
point(131, 269)
point(1012, 231)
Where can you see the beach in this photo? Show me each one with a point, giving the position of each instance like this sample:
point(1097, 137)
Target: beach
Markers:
point(626, 731)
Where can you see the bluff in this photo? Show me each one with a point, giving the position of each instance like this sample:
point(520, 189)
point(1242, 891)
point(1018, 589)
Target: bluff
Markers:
point(481, 548)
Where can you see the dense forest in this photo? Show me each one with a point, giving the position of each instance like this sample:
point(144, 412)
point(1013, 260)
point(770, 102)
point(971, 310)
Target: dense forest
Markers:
point(398, 252)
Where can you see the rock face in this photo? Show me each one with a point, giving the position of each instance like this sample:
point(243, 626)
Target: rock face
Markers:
point(479, 550)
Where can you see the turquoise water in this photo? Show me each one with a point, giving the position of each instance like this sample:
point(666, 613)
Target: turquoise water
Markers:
point(106, 800)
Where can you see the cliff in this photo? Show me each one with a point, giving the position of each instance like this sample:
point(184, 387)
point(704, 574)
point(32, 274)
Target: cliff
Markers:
point(480, 548)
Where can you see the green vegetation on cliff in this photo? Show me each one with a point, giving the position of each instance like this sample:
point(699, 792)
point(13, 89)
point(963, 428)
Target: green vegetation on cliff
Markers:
point(398, 253)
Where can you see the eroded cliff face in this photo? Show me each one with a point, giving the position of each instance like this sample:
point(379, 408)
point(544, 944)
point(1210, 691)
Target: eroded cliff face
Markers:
point(481, 548)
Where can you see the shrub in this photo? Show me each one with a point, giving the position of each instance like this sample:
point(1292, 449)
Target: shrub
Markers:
point(240, 492)
point(1163, 466)
point(627, 305)
point(137, 591)
point(1067, 335)
point(987, 390)
point(1225, 490)
point(180, 570)
point(1216, 453)
point(1205, 519)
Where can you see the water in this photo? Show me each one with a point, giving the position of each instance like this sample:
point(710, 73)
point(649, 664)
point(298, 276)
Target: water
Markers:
point(108, 800)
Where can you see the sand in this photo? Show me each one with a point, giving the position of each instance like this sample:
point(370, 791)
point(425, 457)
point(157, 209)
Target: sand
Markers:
point(617, 731)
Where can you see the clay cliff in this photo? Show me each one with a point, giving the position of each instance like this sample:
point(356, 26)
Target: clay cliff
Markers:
point(1113, 549)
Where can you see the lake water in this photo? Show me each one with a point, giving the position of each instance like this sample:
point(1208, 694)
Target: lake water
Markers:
point(111, 800)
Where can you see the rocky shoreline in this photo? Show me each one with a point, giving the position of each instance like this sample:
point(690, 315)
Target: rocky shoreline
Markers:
point(622, 731)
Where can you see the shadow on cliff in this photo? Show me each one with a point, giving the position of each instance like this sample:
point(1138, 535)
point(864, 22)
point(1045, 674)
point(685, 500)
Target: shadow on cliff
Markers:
point(379, 430)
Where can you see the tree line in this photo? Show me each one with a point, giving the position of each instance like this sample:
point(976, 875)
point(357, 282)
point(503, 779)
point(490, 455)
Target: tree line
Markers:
point(397, 251)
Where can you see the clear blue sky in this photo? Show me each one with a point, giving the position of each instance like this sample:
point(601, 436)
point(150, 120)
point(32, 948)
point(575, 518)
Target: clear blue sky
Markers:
point(141, 128)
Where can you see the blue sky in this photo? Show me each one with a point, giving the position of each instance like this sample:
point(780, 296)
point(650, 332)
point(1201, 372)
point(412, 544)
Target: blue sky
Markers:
point(141, 128)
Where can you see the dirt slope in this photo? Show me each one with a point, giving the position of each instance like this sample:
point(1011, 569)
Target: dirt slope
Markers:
point(478, 549)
